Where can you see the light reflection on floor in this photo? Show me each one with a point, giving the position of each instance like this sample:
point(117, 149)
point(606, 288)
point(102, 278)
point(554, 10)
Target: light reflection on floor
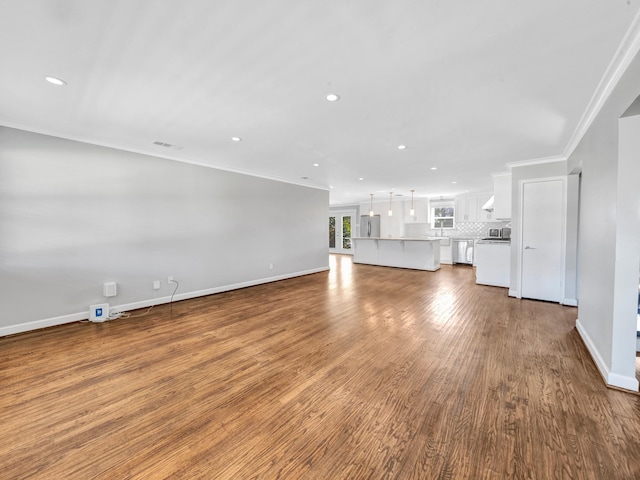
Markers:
point(437, 303)
point(341, 272)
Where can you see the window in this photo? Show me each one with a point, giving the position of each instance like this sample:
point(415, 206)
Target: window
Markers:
point(443, 217)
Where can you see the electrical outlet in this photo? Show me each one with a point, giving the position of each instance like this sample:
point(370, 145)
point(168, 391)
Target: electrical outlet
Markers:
point(156, 284)
point(170, 279)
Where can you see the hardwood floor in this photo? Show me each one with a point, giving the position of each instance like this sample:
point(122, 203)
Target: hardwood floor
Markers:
point(362, 372)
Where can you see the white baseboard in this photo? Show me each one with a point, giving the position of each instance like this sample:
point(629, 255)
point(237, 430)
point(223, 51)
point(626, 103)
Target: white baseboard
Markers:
point(44, 323)
point(513, 293)
point(571, 302)
point(76, 317)
point(612, 379)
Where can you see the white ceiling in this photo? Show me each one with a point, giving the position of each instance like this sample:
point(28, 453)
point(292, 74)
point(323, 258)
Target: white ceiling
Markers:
point(468, 86)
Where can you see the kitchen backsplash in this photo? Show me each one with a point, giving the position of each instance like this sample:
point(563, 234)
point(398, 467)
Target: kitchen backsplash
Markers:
point(469, 229)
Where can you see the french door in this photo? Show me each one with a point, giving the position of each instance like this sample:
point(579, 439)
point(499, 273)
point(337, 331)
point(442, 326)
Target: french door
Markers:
point(341, 225)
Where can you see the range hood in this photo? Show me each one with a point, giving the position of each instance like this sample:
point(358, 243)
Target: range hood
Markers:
point(489, 205)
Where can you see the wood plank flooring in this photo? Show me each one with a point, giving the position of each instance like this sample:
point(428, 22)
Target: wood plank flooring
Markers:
point(362, 372)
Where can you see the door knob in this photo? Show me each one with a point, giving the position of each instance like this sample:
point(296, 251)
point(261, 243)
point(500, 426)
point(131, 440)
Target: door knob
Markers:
point(529, 248)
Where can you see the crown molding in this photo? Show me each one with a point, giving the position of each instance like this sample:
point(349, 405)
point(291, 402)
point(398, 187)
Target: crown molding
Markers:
point(536, 161)
point(113, 146)
point(623, 57)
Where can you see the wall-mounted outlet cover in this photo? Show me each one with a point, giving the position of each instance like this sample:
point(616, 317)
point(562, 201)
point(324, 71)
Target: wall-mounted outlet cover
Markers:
point(156, 284)
point(170, 279)
point(99, 312)
point(109, 289)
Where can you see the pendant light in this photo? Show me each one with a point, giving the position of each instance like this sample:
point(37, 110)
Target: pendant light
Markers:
point(412, 212)
point(371, 207)
point(390, 211)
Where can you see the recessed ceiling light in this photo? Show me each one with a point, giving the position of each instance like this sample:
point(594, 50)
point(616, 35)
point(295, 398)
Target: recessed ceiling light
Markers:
point(401, 147)
point(454, 182)
point(434, 168)
point(361, 178)
point(55, 80)
point(333, 97)
point(316, 164)
point(236, 139)
point(330, 186)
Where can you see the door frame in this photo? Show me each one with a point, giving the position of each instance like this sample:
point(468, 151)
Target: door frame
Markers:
point(339, 213)
point(520, 243)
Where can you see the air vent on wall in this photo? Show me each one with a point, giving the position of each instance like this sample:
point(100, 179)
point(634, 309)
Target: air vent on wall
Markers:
point(167, 145)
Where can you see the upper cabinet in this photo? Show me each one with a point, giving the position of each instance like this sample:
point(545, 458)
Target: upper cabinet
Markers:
point(467, 209)
point(502, 196)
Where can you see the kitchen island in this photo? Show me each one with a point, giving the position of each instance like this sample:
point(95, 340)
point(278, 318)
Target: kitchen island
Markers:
point(414, 253)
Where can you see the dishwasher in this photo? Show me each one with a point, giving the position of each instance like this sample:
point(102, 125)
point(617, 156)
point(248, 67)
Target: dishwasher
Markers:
point(462, 251)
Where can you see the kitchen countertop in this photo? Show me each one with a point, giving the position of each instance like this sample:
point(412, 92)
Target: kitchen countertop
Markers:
point(494, 242)
point(411, 239)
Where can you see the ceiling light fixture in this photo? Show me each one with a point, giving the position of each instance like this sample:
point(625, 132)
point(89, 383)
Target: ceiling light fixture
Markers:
point(390, 210)
point(316, 164)
point(434, 168)
point(55, 80)
point(361, 178)
point(454, 182)
point(333, 97)
point(401, 147)
point(371, 207)
point(412, 211)
point(236, 139)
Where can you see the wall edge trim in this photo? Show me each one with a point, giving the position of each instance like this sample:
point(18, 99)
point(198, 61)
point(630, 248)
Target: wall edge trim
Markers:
point(611, 379)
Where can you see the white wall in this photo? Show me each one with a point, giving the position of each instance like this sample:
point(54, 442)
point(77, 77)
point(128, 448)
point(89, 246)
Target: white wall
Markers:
point(571, 244)
point(73, 216)
point(627, 262)
point(608, 191)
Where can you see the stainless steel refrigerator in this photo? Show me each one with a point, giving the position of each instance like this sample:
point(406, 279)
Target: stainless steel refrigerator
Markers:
point(370, 226)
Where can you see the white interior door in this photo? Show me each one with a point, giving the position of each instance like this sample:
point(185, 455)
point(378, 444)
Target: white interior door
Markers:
point(341, 226)
point(542, 240)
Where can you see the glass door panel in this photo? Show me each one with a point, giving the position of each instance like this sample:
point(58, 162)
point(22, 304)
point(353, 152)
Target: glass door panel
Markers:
point(332, 232)
point(346, 232)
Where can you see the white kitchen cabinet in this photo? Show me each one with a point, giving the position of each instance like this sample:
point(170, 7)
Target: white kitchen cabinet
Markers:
point(475, 245)
point(502, 196)
point(466, 209)
point(445, 251)
point(493, 264)
point(469, 209)
point(484, 215)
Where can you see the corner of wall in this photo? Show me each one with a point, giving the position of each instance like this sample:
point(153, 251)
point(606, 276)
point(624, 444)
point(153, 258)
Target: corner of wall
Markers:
point(611, 379)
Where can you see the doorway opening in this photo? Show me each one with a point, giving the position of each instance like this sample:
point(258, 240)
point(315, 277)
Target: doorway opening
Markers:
point(341, 228)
